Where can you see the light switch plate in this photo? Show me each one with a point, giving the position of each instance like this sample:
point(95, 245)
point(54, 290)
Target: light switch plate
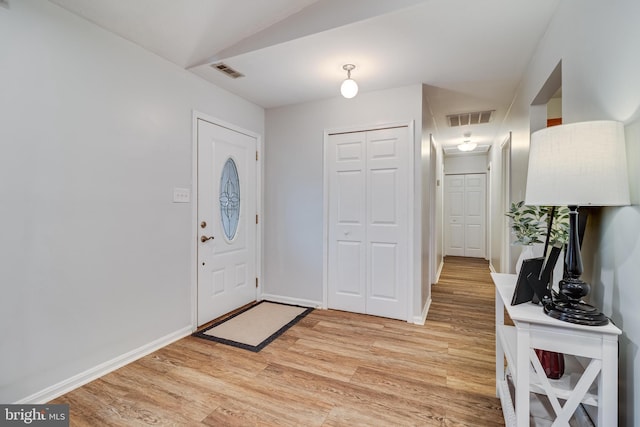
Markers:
point(181, 195)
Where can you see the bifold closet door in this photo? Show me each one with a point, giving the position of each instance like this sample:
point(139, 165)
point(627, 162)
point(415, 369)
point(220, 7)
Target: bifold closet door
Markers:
point(369, 186)
point(465, 218)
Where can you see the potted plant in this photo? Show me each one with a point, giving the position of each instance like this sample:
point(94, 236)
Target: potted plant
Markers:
point(529, 225)
point(528, 228)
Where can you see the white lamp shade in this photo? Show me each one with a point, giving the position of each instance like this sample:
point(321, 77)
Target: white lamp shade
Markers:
point(349, 88)
point(578, 164)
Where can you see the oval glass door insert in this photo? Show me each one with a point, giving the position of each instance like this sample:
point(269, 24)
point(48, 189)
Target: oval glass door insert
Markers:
point(230, 199)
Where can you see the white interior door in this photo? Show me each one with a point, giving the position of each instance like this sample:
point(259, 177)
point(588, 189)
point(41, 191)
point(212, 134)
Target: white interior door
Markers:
point(388, 222)
point(465, 215)
point(347, 222)
point(369, 185)
point(226, 220)
point(474, 221)
point(454, 215)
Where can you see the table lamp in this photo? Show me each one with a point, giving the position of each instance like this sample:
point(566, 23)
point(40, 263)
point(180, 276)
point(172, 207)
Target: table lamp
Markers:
point(577, 164)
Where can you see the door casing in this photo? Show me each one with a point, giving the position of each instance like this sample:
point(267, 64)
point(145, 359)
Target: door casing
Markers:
point(194, 207)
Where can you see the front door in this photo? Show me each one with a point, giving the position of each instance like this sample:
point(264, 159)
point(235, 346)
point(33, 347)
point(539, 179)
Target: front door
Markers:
point(226, 220)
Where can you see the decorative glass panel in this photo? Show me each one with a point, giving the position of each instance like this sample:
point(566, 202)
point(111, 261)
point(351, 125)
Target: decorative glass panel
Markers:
point(229, 199)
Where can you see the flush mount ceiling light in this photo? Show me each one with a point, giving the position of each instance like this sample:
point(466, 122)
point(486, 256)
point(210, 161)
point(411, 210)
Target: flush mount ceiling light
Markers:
point(467, 145)
point(349, 87)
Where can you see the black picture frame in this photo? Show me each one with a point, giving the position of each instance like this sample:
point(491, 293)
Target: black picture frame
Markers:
point(524, 292)
point(533, 283)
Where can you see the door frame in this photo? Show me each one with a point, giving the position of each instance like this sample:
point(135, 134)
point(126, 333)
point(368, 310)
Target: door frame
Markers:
point(505, 202)
point(414, 279)
point(194, 206)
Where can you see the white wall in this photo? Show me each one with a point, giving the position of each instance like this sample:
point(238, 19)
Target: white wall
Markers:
point(595, 41)
point(463, 164)
point(293, 248)
point(94, 256)
point(554, 108)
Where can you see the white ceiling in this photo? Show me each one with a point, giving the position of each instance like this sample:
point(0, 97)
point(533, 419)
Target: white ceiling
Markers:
point(471, 54)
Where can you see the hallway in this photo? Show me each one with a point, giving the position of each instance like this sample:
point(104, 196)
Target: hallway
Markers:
point(332, 369)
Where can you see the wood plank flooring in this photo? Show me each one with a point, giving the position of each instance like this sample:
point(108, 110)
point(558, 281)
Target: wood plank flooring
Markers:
point(331, 369)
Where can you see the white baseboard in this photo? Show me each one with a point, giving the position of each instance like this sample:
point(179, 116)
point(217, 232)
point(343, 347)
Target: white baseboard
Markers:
point(439, 271)
point(98, 371)
point(292, 301)
point(420, 320)
point(491, 268)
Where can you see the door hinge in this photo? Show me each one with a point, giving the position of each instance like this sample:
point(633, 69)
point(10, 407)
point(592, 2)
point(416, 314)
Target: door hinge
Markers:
point(256, 218)
point(256, 155)
point(256, 282)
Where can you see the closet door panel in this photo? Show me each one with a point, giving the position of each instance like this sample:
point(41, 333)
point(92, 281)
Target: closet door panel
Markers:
point(346, 223)
point(388, 184)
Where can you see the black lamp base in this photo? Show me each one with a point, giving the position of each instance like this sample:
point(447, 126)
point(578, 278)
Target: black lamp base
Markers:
point(568, 306)
point(579, 313)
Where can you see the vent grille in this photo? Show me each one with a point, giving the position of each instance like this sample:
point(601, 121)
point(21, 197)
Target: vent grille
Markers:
point(473, 118)
point(225, 69)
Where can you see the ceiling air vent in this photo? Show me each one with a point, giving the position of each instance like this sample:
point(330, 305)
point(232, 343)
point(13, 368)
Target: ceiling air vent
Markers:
point(225, 69)
point(474, 118)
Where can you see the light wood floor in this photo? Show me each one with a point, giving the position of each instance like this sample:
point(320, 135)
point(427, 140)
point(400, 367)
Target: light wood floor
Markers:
point(331, 369)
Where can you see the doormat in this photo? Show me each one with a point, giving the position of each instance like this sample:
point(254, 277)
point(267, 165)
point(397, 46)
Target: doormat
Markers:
point(254, 328)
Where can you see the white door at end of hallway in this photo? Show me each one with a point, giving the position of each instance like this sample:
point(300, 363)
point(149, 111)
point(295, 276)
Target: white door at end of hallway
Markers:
point(465, 217)
point(226, 220)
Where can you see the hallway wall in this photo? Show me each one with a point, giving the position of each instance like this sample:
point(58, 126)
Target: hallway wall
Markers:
point(600, 81)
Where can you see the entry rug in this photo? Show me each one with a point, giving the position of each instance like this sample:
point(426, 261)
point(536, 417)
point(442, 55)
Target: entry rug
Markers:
point(254, 328)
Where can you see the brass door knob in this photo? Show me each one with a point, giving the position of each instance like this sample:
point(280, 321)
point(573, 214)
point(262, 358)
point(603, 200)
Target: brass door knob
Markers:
point(205, 238)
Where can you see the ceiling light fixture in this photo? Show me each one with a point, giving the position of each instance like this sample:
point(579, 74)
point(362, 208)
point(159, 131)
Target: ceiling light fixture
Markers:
point(467, 145)
point(349, 87)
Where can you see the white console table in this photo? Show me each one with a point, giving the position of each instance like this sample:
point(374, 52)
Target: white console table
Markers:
point(596, 357)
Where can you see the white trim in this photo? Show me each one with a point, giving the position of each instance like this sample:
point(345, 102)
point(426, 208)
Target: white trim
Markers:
point(325, 221)
point(290, 300)
point(488, 208)
point(491, 267)
point(415, 280)
point(505, 201)
point(420, 320)
point(415, 257)
point(194, 222)
point(194, 206)
point(102, 369)
point(440, 267)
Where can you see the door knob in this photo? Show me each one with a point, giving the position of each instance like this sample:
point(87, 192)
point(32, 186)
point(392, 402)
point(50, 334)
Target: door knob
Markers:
point(205, 238)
